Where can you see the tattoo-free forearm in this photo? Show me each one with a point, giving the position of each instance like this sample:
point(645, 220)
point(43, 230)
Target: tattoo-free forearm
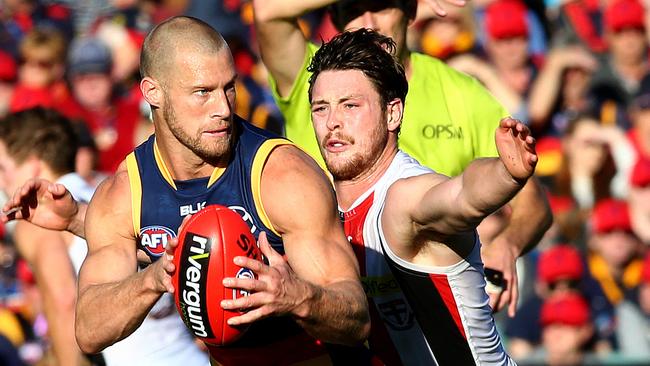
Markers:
point(486, 186)
point(128, 302)
point(337, 313)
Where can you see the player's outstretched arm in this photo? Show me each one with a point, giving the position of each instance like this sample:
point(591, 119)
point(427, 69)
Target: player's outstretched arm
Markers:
point(46, 204)
point(449, 206)
point(114, 297)
point(320, 284)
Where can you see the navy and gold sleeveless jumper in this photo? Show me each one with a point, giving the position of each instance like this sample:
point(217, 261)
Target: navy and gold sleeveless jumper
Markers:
point(160, 203)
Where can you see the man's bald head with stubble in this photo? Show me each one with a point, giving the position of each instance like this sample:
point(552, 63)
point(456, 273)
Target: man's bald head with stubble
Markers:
point(176, 35)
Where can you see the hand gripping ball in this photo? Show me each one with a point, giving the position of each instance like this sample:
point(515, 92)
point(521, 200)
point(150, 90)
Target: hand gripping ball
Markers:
point(207, 244)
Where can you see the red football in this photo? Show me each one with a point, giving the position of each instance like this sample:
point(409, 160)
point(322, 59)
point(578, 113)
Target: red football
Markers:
point(207, 244)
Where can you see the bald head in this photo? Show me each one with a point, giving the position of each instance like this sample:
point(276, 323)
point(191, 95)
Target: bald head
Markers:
point(176, 35)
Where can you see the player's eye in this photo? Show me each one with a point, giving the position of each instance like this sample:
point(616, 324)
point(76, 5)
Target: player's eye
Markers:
point(318, 109)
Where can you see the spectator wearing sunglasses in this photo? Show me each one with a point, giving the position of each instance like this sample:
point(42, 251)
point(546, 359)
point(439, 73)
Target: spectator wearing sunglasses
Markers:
point(40, 74)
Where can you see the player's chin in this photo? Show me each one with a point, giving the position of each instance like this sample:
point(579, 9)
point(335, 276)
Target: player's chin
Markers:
point(214, 150)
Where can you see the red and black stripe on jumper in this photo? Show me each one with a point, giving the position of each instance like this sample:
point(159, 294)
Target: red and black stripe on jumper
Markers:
point(379, 340)
point(435, 307)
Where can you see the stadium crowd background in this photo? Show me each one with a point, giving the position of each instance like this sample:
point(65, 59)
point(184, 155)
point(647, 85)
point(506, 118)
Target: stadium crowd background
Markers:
point(577, 71)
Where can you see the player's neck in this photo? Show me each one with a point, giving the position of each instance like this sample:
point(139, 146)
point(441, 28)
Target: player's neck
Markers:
point(348, 191)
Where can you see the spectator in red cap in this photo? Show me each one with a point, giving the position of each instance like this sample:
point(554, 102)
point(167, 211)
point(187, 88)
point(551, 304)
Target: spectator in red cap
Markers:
point(558, 267)
point(40, 75)
point(506, 19)
point(566, 329)
point(507, 36)
point(616, 264)
point(510, 71)
point(614, 259)
point(639, 199)
point(624, 24)
point(625, 65)
point(624, 14)
point(560, 271)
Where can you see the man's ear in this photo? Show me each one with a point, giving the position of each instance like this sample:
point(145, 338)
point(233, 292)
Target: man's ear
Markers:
point(394, 112)
point(151, 91)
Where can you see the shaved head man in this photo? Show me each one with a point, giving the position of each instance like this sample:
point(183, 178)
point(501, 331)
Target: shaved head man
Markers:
point(200, 154)
point(164, 52)
point(176, 35)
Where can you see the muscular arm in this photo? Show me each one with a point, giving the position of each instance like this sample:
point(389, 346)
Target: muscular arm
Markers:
point(114, 297)
point(301, 204)
point(47, 254)
point(448, 206)
point(282, 43)
point(439, 207)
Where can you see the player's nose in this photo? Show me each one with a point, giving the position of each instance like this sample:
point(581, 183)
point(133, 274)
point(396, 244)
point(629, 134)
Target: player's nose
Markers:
point(334, 120)
point(221, 106)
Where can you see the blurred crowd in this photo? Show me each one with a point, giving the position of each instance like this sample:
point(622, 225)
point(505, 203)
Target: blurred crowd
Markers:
point(576, 71)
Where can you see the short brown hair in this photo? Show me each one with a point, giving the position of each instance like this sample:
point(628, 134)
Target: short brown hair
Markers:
point(44, 44)
point(369, 52)
point(42, 133)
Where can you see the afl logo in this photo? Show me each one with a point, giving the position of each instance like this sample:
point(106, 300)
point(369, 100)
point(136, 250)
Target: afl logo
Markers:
point(243, 273)
point(154, 239)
